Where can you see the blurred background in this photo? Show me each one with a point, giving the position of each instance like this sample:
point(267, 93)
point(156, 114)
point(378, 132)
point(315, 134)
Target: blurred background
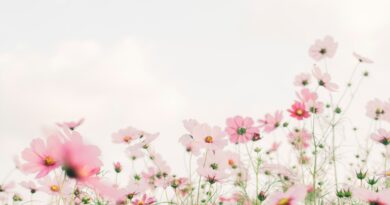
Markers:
point(151, 64)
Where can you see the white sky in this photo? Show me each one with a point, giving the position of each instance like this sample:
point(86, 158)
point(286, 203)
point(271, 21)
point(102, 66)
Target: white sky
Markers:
point(151, 64)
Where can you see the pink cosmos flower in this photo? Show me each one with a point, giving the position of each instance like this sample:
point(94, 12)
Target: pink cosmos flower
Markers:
point(81, 161)
point(190, 144)
point(271, 122)
point(299, 138)
point(72, 124)
point(371, 197)
point(298, 111)
point(190, 124)
point(362, 59)
point(135, 151)
point(240, 130)
point(41, 157)
point(310, 99)
point(145, 200)
point(302, 79)
point(213, 167)
point(324, 79)
point(377, 109)
point(126, 136)
point(325, 48)
point(51, 186)
point(134, 188)
point(294, 196)
point(211, 138)
point(6, 188)
point(382, 136)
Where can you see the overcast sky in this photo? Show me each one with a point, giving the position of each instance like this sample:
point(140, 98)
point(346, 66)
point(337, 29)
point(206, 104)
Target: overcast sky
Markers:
point(151, 64)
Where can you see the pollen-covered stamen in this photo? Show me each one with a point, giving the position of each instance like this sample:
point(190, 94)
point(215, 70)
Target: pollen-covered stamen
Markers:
point(232, 163)
point(299, 112)
point(209, 139)
point(127, 138)
point(49, 161)
point(54, 188)
point(284, 201)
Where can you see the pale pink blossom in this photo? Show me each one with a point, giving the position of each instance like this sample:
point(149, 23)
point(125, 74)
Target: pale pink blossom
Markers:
point(302, 79)
point(274, 147)
point(270, 122)
point(382, 197)
point(210, 138)
point(294, 196)
point(72, 124)
point(278, 170)
point(213, 167)
point(362, 59)
point(191, 145)
point(323, 48)
point(42, 157)
point(377, 109)
point(324, 79)
point(54, 187)
point(135, 151)
point(240, 130)
point(126, 136)
point(299, 138)
point(382, 136)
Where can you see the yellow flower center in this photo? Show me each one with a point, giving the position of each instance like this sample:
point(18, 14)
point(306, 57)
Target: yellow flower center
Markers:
point(127, 138)
point(54, 188)
point(387, 173)
point(284, 201)
point(208, 139)
point(49, 161)
point(299, 112)
point(140, 203)
point(231, 162)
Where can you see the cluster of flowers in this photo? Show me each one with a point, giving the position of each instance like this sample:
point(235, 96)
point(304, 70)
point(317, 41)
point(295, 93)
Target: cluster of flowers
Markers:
point(230, 165)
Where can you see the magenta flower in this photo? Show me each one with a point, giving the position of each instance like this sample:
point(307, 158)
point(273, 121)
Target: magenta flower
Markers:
point(240, 130)
point(325, 48)
point(372, 197)
point(324, 79)
point(41, 157)
point(362, 59)
point(294, 196)
point(271, 122)
point(298, 111)
point(117, 167)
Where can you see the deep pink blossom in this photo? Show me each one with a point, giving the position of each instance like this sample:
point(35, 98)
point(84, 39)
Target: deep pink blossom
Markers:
point(298, 110)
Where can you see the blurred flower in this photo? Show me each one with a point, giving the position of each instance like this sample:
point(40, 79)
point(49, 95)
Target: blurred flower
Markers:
point(117, 167)
point(294, 196)
point(145, 200)
point(126, 136)
point(377, 109)
point(372, 197)
point(271, 122)
point(30, 185)
point(71, 125)
point(190, 144)
point(299, 138)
